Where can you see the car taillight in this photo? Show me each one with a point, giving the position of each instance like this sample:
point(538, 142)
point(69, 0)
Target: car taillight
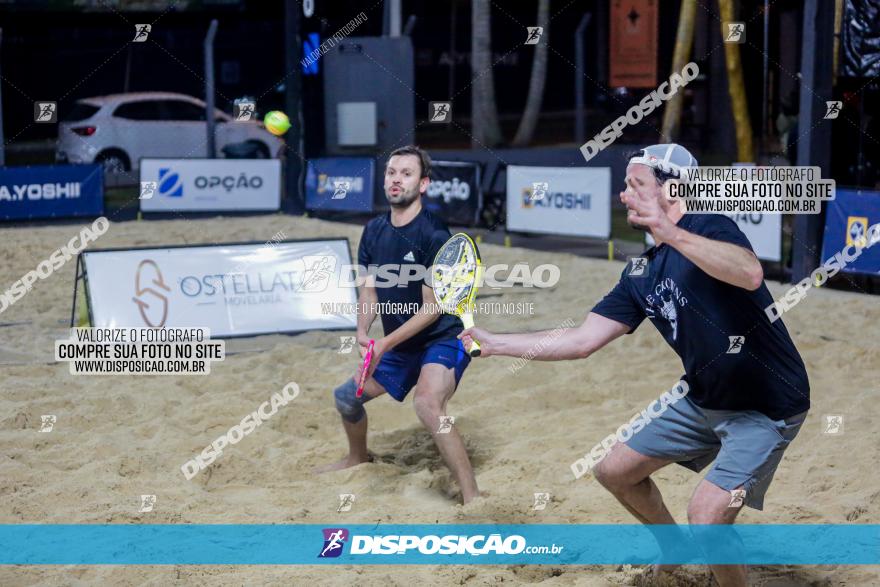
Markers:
point(84, 131)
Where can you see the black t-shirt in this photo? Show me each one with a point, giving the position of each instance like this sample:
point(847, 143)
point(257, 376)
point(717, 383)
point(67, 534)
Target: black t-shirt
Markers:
point(415, 243)
point(698, 314)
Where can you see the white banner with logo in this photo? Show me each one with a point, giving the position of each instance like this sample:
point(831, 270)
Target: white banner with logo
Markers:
point(764, 232)
point(559, 200)
point(198, 185)
point(233, 289)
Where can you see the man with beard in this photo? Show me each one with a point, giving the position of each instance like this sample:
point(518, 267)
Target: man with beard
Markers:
point(745, 391)
point(420, 348)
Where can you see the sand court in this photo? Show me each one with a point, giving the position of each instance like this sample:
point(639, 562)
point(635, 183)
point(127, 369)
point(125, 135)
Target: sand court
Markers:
point(117, 437)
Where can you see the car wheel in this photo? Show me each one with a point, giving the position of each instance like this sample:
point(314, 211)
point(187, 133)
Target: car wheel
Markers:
point(114, 162)
point(261, 151)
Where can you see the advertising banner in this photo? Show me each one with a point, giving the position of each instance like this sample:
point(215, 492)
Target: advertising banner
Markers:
point(51, 191)
point(210, 185)
point(340, 184)
point(233, 289)
point(572, 201)
point(454, 192)
point(847, 220)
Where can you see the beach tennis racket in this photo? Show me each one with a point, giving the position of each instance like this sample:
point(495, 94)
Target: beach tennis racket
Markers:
point(455, 275)
point(367, 358)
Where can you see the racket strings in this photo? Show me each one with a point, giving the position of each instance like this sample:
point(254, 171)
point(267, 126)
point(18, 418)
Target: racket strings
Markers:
point(454, 282)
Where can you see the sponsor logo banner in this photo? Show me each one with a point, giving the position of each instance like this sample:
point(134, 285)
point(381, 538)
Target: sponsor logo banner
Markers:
point(51, 191)
point(847, 222)
point(456, 544)
point(454, 192)
point(572, 201)
point(235, 289)
point(342, 184)
point(200, 185)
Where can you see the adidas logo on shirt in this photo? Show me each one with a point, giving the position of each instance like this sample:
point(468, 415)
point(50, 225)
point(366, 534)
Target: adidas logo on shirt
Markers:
point(409, 257)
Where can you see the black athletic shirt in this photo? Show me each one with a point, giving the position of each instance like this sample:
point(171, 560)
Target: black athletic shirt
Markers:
point(697, 314)
point(413, 243)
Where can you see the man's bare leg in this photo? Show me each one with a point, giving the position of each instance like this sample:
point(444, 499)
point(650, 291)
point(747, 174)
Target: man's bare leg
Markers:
point(626, 474)
point(710, 504)
point(356, 432)
point(435, 386)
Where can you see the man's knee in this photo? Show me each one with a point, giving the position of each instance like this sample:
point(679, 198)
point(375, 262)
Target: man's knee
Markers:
point(715, 509)
point(349, 405)
point(428, 408)
point(608, 475)
point(615, 472)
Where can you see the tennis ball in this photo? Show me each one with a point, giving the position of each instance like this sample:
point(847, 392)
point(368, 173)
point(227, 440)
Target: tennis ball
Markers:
point(276, 122)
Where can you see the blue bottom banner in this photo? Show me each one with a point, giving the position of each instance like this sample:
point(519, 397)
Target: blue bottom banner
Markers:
point(508, 544)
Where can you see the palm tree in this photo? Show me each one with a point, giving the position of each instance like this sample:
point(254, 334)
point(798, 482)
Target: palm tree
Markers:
point(485, 130)
point(536, 84)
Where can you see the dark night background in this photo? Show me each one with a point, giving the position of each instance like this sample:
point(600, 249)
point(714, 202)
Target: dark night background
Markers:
point(58, 50)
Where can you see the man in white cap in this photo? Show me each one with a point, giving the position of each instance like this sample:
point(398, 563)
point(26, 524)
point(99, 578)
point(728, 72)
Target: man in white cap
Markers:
point(745, 392)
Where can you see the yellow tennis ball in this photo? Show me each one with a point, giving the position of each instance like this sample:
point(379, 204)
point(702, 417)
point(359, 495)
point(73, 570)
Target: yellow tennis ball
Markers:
point(276, 122)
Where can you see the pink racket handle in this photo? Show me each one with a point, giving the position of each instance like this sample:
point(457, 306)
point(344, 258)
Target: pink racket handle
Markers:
point(367, 358)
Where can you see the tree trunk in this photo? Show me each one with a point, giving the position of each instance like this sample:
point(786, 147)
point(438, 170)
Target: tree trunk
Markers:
point(745, 150)
point(485, 130)
point(536, 84)
point(684, 41)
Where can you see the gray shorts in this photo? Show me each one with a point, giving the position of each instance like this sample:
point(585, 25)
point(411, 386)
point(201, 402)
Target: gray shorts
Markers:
point(745, 445)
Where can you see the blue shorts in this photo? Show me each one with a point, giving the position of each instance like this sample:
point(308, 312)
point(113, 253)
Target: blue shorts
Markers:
point(398, 371)
point(745, 445)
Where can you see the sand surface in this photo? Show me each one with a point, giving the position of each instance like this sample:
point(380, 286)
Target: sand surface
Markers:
point(118, 437)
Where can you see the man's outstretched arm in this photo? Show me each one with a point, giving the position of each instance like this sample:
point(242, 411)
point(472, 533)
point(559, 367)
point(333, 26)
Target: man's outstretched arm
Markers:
point(549, 345)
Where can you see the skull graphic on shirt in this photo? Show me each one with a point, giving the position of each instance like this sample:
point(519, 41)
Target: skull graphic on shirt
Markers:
point(665, 299)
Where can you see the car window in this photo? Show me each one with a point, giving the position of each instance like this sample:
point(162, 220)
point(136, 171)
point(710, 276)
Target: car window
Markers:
point(180, 110)
point(141, 110)
point(79, 111)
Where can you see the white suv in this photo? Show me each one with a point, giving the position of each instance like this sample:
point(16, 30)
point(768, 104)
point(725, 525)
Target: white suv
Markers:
point(118, 130)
